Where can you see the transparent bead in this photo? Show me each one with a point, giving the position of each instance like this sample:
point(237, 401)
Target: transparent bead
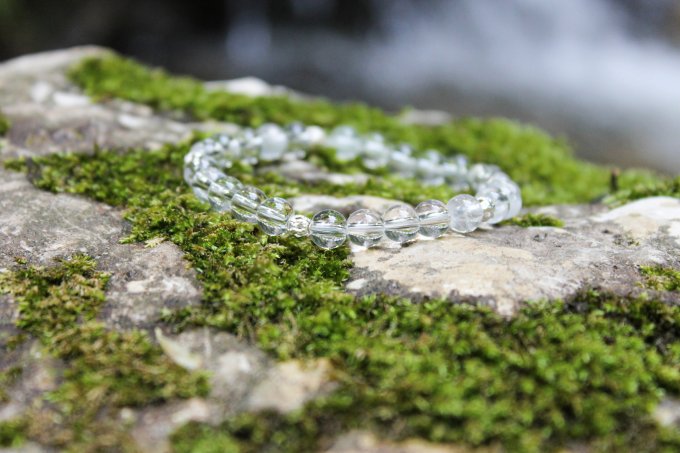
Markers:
point(245, 202)
point(222, 139)
point(298, 225)
point(328, 229)
point(365, 228)
point(429, 172)
point(202, 180)
point(434, 218)
point(454, 175)
point(274, 142)
point(346, 142)
point(401, 223)
point(221, 191)
point(375, 152)
point(466, 213)
point(479, 174)
point(251, 144)
point(488, 207)
point(273, 215)
point(512, 192)
point(402, 162)
point(500, 201)
point(211, 146)
point(313, 135)
point(233, 150)
point(195, 161)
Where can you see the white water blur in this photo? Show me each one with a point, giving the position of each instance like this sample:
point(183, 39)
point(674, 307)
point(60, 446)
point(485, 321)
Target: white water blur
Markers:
point(573, 66)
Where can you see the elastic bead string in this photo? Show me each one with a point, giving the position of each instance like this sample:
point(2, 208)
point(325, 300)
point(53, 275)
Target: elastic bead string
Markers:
point(496, 198)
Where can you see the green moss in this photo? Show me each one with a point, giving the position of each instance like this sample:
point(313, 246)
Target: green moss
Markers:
point(104, 369)
point(544, 167)
point(12, 433)
point(586, 370)
point(535, 220)
point(644, 189)
point(7, 379)
point(4, 124)
point(661, 278)
point(590, 370)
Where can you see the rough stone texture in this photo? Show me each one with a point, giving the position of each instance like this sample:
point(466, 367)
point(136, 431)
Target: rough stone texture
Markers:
point(508, 265)
point(364, 442)
point(242, 379)
point(41, 226)
point(499, 266)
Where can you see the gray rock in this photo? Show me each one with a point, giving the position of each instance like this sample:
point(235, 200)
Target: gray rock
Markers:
point(506, 266)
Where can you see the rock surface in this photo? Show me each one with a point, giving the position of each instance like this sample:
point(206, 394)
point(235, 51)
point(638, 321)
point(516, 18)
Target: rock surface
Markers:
point(506, 266)
point(500, 266)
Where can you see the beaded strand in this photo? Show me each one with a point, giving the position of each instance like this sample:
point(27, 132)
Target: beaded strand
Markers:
point(496, 198)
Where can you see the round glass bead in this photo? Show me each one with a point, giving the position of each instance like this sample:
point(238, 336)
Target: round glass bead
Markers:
point(466, 213)
point(375, 152)
point(500, 202)
point(298, 225)
point(401, 223)
point(515, 197)
point(202, 179)
point(429, 172)
point(221, 191)
point(365, 228)
point(488, 207)
point(273, 215)
point(401, 161)
point(328, 229)
point(434, 218)
point(512, 192)
point(274, 142)
point(346, 142)
point(245, 202)
point(479, 174)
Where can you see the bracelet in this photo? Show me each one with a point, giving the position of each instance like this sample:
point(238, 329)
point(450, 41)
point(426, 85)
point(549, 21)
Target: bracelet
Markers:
point(497, 196)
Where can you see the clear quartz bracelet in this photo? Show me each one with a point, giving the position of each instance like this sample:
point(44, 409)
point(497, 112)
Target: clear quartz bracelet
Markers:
point(207, 163)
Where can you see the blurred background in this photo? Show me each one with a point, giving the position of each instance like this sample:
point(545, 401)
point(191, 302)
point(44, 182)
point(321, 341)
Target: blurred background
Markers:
point(605, 74)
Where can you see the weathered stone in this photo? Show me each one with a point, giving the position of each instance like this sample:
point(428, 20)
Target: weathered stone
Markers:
point(40, 226)
point(242, 378)
point(509, 265)
point(365, 442)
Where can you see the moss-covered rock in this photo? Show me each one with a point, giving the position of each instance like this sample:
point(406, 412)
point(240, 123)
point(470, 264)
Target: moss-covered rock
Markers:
point(588, 370)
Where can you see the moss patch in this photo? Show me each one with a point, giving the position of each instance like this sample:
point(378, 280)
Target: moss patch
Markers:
point(661, 278)
point(104, 369)
point(534, 220)
point(4, 124)
point(543, 166)
point(586, 370)
point(668, 188)
point(589, 370)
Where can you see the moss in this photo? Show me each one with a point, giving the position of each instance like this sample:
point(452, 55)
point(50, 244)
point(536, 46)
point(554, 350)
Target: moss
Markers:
point(12, 432)
point(584, 370)
point(544, 167)
point(661, 278)
point(535, 220)
point(4, 124)
point(668, 188)
point(104, 369)
point(589, 370)
point(7, 378)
